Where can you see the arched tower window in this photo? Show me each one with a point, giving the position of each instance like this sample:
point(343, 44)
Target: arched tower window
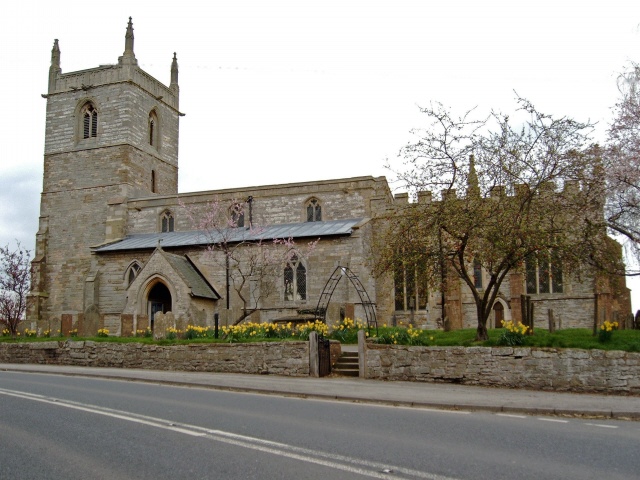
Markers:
point(295, 280)
point(153, 129)
point(166, 221)
point(89, 121)
point(314, 211)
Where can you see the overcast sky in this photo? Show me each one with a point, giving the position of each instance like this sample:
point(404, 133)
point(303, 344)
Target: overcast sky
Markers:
point(288, 91)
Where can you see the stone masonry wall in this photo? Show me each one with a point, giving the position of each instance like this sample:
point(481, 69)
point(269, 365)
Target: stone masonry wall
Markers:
point(286, 358)
point(583, 371)
point(614, 372)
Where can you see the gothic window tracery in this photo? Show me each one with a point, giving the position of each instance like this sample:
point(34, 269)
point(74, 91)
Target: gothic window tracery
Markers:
point(295, 280)
point(237, 215)
point(410, 285)
point(544, 274)
point(89, 121)
point(314, 210)
point(132, 272)
point(166, 221)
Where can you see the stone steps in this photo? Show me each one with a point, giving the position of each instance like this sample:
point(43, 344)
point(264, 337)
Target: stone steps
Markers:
point(347, 365)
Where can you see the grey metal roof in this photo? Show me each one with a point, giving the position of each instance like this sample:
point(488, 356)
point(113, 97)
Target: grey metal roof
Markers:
point(192, 277)
point(145, 241)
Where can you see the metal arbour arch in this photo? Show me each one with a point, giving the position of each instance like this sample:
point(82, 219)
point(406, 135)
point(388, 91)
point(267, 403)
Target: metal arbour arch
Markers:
point(330, 286)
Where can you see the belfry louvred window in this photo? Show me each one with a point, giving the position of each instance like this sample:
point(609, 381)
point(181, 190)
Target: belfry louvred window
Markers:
point(89, 122)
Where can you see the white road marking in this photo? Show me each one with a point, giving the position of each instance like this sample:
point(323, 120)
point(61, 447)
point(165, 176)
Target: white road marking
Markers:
point(413, 407)
point(349, 464)
point(601, 425)
point(556, 420)
point(510, 415)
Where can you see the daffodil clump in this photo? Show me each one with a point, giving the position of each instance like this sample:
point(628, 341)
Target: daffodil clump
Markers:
point(6, 332)
point(251, 331)
point(145, 333)
point(606, 331)
point(303, 331)
point(346, 331)
point(30, 333)
point(103, 332)
point(194, 331)
point(173, 333)
point(403, 336)
point(513, 334)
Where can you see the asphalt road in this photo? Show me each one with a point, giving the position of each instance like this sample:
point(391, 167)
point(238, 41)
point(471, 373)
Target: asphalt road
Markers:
point(54, 427)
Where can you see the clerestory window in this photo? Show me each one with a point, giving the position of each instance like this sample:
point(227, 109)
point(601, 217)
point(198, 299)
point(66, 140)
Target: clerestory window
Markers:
point(237, 215)
point(314, 211)
point(295, 280)
point(166, 222)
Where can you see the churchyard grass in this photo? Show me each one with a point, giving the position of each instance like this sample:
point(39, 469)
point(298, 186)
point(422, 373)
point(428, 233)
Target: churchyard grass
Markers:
point(346, 332)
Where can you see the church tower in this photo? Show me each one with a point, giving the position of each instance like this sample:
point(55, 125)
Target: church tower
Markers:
point(111, 134)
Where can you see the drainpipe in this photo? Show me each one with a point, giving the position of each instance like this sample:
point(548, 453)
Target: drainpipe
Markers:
point(227, 277)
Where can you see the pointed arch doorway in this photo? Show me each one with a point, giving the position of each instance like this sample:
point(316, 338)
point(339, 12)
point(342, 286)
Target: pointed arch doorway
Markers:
point(158, 300)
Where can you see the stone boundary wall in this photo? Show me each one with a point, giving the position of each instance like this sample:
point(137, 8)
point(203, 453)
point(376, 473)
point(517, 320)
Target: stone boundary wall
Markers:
point(272, 358)
point(568, 370)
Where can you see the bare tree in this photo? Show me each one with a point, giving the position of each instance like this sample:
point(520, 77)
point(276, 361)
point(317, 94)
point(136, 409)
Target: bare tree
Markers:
point(15, 278)
point(510, 194)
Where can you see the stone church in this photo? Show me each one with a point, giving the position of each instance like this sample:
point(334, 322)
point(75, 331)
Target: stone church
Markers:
point(117, 244)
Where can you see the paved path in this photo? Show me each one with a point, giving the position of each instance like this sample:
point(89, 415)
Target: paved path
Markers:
point(433, 395)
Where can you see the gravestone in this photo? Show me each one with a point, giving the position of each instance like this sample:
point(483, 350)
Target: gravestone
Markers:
point(126, 322)
point(66, 323)
point(90, 323)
